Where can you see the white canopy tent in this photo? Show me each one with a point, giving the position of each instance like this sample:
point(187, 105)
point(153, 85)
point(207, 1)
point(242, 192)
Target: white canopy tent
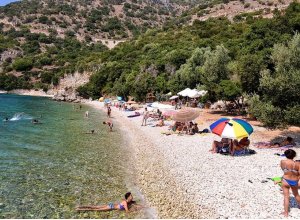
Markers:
point(196, 94)
point(161, 106)
point(174, 97)
point(184, 92)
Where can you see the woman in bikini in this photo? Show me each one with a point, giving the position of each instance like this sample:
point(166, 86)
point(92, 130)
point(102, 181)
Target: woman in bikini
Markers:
point(290, 179)
point(216, 145)
point(123, 205)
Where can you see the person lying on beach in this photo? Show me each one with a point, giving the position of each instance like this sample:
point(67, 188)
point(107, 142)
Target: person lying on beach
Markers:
point(189, 128)
point(123, 205)
point(239, 145)
point(288, 142)
point(110, 124)
point(290, 179)
point(160, 122)
point(195, 128)
point(216, 145)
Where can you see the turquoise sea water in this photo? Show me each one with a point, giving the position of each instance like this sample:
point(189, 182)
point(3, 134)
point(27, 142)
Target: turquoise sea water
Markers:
point(47, 169)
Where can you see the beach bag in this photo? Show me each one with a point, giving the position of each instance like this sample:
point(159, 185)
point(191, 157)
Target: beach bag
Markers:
point(251, 151)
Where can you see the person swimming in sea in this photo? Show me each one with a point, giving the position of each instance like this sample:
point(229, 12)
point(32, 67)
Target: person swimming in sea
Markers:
point(6, 119)
point(124, 205)
point(35, 121)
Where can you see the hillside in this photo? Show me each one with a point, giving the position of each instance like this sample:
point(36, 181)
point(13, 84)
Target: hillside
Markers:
point(110, 21)
point(89, 20)
point(258, 56)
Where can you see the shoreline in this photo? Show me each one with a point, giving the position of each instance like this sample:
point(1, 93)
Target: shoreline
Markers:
point(180, 178)
point(25, 92)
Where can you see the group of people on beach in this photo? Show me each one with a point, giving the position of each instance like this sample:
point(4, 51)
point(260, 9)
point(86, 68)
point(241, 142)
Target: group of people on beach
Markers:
point(189, 128)
point(230, 146)
point(291, 168)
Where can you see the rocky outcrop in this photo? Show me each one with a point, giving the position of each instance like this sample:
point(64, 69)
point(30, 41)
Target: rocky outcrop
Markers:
point(9, 54)
point(66, 90)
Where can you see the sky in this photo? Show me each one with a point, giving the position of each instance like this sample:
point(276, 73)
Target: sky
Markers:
point(5, 2)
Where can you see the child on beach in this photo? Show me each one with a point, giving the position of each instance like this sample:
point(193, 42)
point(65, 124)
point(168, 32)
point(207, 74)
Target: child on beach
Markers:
point(290, 179)
point(110, 125)
point(145, 117)
point(123, 205)
point(108, 111)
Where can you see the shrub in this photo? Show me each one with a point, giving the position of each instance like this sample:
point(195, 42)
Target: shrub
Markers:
point(23, 64)
point(292, 115)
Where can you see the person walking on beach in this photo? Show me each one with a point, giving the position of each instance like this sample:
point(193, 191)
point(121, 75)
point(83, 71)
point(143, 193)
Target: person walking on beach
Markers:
point(123, 205)
point(87, 114)
point(110, 125)
point(145, 117)
point(108, 111)
point(290, 179)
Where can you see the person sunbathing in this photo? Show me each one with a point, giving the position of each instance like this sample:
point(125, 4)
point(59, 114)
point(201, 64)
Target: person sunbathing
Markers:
point(239, 145)
point(160, 123)
point(123, 205)
point(195, 128)
point(288, 142)
point(216, 145)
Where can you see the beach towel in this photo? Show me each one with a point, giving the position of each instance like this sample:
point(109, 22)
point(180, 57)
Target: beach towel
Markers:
point(244, 152)
point(136, 114)
point(277, 179)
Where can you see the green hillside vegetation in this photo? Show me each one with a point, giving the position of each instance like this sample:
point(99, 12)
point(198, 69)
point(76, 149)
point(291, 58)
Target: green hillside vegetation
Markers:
point(43, 59)
point(258, 59)
point(86, 19)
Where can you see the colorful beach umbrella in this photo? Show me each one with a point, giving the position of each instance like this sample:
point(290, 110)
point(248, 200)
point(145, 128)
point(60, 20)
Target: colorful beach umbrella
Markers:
point(186, 115)
point(232, 128)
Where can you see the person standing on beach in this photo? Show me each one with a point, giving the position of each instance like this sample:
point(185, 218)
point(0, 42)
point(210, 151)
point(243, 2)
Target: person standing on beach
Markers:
point(290, 179)
point(110, 125)
point(87, 114)
point(145, 117)
point(108, 111)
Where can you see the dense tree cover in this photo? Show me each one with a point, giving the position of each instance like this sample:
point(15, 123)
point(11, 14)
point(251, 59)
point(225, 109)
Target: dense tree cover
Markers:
point(228, 59)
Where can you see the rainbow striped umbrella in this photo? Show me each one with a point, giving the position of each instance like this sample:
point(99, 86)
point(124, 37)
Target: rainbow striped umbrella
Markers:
point(232, 128)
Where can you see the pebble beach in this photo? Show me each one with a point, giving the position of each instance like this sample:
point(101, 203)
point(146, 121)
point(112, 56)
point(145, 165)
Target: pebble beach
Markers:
point(180, 178)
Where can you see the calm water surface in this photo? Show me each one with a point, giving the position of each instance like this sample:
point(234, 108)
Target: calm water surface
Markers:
point(47, 169)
